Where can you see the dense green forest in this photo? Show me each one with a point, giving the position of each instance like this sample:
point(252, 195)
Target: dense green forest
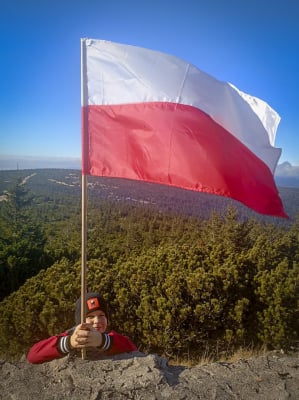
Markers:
point(180, 270)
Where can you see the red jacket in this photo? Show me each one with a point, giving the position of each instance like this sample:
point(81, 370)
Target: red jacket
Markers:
point(55, 347)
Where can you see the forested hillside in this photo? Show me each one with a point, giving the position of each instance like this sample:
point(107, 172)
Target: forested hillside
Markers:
point(181, 270)
point(64, 187)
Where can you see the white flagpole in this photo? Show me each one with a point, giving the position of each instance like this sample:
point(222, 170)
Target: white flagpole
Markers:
point(84, 193)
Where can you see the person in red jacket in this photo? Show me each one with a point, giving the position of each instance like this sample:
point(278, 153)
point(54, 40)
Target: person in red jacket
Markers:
point(91, 335)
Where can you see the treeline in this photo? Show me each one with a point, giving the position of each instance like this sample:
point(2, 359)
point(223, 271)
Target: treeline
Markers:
point(175, 284)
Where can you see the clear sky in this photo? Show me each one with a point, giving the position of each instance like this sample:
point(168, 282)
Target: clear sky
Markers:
point(253, 44)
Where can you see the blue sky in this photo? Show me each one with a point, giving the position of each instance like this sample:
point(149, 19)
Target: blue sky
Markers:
point(252, 44)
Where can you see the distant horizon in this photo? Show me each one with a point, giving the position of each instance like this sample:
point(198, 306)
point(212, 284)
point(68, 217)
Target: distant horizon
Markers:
point(15, 162)
point(23, 162)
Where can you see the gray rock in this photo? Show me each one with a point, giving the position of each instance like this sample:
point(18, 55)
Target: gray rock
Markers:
point(149, 377)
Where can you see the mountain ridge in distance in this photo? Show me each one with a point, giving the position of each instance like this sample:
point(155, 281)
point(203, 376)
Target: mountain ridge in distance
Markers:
point(50, 182)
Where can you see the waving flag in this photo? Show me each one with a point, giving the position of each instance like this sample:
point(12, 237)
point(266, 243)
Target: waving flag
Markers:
point(153, 117)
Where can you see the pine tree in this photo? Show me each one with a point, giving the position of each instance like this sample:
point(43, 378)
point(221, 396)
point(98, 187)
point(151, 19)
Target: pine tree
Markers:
point(21, 240)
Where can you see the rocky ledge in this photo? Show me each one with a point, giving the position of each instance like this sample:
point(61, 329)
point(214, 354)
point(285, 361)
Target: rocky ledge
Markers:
point(274, 376)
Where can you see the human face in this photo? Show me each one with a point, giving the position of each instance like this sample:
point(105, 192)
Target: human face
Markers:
point(98, 320)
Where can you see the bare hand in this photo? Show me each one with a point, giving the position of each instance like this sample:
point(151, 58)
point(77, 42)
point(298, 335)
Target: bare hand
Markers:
point(85, 336)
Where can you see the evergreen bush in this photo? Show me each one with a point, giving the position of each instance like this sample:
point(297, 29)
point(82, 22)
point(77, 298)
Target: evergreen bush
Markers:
point(183, 285)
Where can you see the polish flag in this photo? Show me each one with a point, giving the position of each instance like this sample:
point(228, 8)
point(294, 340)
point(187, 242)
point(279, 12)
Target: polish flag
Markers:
point(153, 117)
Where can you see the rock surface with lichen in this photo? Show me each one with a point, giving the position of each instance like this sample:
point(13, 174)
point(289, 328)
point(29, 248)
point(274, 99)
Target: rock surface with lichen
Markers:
point(274, 376)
